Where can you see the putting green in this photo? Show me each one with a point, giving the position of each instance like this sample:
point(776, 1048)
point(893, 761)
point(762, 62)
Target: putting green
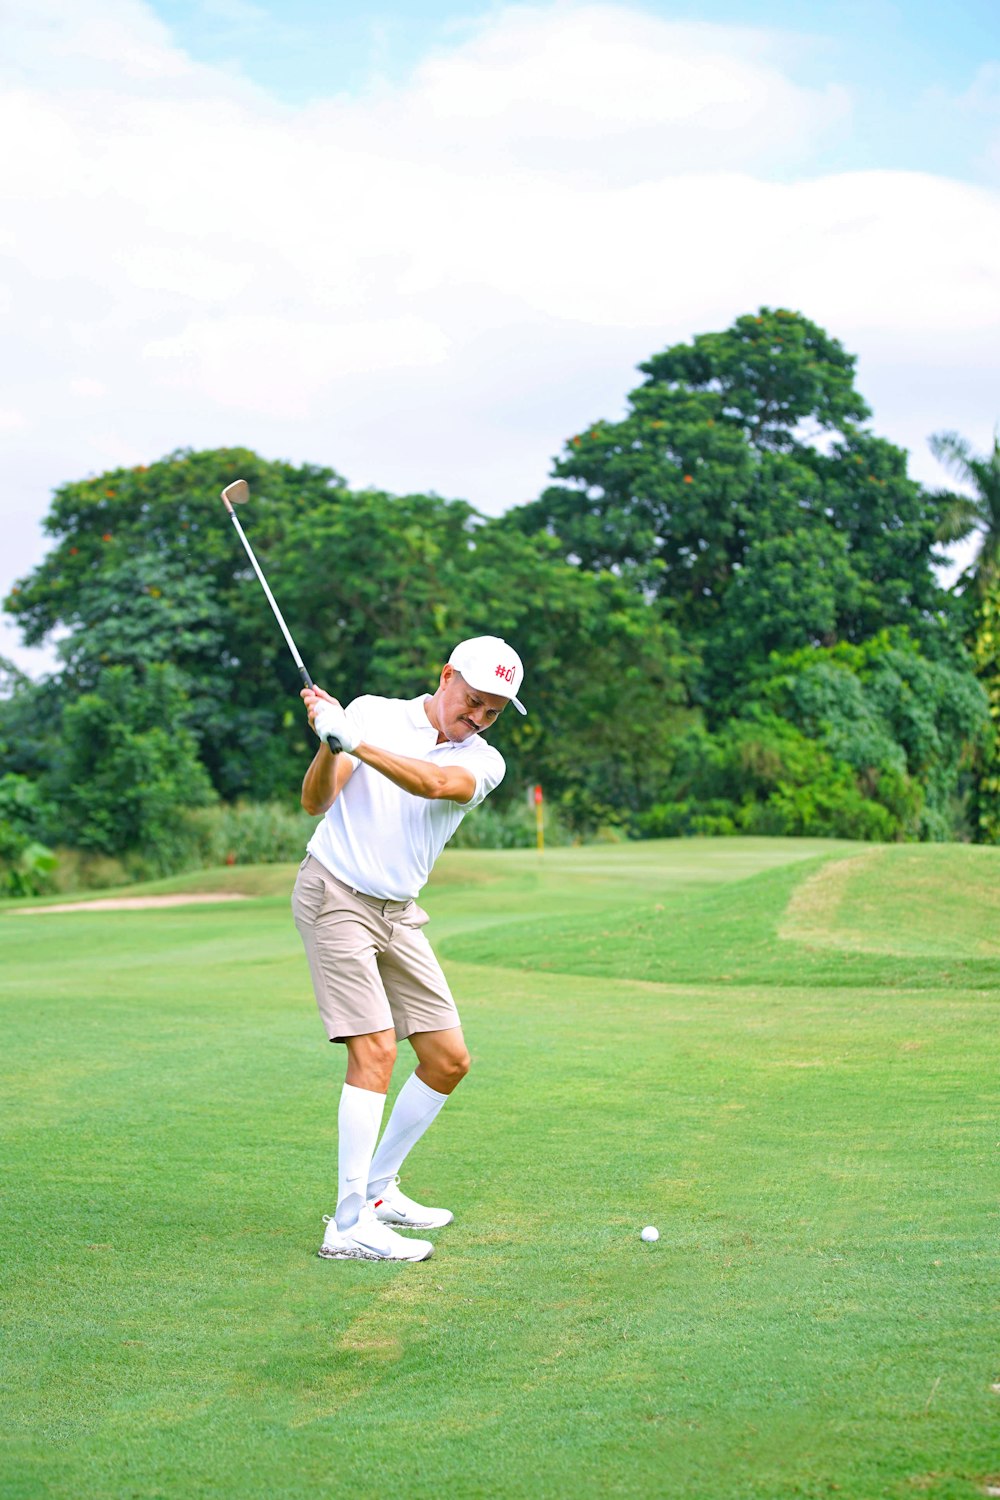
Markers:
point(783, 1054)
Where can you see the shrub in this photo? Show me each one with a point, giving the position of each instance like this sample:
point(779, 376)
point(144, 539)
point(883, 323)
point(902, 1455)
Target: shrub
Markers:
point(247, 833)
point(510, 826)
point(84, 870)
point(128, 768)
point(763, 775)
point(27, 865)
point(30, 874)
point(668, 820)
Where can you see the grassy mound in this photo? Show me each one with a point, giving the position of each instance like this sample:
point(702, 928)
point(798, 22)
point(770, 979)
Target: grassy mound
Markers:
point(928, 899)
point(924, 915)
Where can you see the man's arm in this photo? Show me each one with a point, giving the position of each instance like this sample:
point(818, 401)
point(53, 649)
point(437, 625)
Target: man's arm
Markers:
point(324, 781)
point(419, 777)
point(328, 774)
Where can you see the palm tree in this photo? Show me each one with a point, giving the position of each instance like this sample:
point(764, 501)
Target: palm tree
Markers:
point(961, 515)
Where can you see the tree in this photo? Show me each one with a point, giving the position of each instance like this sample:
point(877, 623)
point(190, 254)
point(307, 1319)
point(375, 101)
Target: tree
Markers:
point(742, 488)
point(145, 569)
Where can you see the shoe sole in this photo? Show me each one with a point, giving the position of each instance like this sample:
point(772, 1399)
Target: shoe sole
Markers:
point(326, 1252)
point(414, 1223)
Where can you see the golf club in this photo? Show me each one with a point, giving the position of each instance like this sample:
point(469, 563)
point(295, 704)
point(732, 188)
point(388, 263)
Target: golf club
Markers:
point(238, 493)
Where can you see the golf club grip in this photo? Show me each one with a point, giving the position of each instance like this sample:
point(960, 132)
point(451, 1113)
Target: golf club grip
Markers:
point(330, 741)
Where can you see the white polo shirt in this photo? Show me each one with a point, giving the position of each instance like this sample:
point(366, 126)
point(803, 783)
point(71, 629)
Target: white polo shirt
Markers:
point(376, 837)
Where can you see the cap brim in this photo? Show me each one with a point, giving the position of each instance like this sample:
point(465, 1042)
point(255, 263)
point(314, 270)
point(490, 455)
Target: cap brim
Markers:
point(519, 705)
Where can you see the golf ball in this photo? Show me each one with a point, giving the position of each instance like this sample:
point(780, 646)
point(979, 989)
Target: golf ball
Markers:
point(650, 1232)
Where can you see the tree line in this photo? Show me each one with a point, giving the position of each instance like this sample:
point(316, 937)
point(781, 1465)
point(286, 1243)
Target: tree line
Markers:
point(726, 601)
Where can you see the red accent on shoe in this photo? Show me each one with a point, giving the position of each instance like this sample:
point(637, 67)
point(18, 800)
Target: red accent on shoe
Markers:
point(378, 1202)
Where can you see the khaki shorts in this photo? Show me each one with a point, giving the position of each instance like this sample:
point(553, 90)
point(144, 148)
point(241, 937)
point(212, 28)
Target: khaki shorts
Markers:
point(372, 967)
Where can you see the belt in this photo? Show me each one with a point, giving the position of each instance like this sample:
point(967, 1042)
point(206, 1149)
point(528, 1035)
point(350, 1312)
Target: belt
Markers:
point(383, 903)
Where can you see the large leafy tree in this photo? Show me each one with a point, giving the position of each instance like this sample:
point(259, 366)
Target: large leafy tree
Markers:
point(144, 569)
point(743, 488)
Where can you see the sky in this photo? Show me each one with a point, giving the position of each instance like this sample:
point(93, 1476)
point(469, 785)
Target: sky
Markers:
point(426, 243)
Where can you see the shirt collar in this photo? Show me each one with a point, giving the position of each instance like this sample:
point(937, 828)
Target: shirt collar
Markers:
point(418, 717)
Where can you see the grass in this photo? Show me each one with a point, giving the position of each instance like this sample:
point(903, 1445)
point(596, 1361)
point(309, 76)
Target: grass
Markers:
point(784, 1054)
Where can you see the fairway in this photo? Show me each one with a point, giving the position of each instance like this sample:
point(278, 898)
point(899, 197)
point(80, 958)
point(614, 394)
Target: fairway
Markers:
point(783, 1053)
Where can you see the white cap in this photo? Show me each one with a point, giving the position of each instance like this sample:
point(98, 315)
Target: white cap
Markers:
point(491, 666)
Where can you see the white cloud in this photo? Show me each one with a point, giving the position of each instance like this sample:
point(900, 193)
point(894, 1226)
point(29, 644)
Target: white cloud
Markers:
point(271, 366)
point(432, 286)
point(607, 92)
point(184, 270)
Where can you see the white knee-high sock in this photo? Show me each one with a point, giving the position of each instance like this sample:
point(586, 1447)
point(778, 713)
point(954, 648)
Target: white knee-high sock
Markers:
point(358, 1120)
point(416, 1107)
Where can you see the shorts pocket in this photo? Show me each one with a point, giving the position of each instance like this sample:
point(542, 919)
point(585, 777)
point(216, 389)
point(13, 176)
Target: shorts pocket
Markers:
point(308, 895)
point(414, 916)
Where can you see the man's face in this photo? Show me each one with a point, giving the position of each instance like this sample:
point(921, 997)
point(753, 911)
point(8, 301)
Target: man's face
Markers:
point(463, 710)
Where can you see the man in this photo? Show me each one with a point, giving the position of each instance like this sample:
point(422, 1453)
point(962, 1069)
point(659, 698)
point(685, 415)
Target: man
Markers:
point(409, 771)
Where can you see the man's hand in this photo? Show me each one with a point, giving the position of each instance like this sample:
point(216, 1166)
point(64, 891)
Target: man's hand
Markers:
point(330, 722)
point(318, 703)
point(313, 697)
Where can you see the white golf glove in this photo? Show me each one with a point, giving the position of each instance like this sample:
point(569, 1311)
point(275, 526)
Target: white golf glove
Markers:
point(332, 720)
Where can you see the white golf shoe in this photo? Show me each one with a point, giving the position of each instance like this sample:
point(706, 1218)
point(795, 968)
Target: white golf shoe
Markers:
point(370, 1240)
point(393, 1207)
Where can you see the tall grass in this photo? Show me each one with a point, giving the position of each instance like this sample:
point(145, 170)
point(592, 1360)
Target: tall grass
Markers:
point(270, 833)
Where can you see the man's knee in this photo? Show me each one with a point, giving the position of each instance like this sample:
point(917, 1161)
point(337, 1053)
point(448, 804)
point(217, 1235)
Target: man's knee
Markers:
point(449, 1068)
point(370, 1060)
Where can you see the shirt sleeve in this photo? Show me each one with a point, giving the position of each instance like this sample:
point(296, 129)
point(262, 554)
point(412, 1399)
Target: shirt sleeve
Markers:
point(489, 768)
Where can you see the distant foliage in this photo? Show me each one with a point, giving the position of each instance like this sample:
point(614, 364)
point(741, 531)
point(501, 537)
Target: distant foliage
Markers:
point(726, 602)
point(255, 833)
point(377, 589)
point(27, 865)
point(510, 826)
point(985, 638)
point(862, 742)
point(128, 765)
point(762, 775)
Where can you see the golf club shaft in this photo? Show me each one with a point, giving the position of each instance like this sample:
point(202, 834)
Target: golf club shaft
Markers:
point(272, 601)
point(331, 744)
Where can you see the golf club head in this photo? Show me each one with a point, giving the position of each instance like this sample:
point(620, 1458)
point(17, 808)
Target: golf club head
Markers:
point(236, 493)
